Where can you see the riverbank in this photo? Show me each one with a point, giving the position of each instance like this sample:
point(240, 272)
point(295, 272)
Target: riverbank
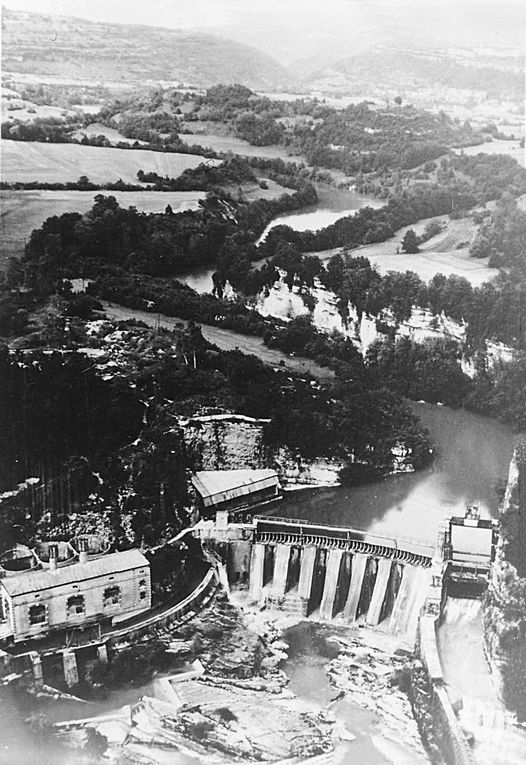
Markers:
point(472, 455)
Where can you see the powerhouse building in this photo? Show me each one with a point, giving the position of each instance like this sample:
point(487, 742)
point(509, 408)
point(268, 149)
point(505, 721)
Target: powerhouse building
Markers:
point(33, 603)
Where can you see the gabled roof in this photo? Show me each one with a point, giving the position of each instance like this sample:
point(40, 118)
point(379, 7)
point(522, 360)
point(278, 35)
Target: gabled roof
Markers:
point(215, 486)
point(45, 579)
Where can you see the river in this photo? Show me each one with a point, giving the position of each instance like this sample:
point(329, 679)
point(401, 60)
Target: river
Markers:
point(472, 455)
point(333, 204)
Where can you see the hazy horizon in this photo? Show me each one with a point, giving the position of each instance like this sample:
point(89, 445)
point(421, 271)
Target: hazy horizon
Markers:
point(291, 30)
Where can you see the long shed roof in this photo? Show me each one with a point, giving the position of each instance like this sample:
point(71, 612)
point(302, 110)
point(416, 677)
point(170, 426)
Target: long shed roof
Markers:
point(45, 579)
point(215, 486)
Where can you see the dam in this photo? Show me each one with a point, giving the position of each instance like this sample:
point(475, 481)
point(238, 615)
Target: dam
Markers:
point(327, 573)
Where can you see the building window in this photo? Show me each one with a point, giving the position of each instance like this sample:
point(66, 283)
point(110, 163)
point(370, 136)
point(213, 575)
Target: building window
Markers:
point(112, 597)
point(142, 589)
point(76, 605)
point(37, 614)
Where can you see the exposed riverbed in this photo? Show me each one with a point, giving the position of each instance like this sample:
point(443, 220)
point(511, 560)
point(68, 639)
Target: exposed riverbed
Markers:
point(307, 668)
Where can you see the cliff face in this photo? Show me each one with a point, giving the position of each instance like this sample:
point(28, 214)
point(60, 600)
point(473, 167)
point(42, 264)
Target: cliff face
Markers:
point(234, 442)
point(225, 442)
point(505, 604)
point(283, 303)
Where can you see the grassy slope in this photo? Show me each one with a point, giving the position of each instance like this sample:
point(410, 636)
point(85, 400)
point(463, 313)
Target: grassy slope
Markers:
point(438, 255)
point(51, 163)
point(237, 146)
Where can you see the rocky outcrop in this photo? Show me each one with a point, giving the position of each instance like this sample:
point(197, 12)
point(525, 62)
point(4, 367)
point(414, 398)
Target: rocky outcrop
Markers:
point(505, 604)
point(296, 471)
point(284, 303)
point(225, 442)
point(234, 441)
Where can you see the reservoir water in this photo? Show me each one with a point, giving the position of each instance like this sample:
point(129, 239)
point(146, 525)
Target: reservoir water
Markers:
point(472, 456)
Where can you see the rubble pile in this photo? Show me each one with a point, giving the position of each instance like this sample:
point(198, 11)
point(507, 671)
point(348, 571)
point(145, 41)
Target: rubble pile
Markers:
point(377, 679)
point(222, 642)
point(230, 722)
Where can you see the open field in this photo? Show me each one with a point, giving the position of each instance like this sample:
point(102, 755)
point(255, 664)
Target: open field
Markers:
point(438, 255)
point(28, 161)
point(236, 145)
point(26, 111)
point(23, 211)
point(513, 148)
point(252, 191)
point(97, 128)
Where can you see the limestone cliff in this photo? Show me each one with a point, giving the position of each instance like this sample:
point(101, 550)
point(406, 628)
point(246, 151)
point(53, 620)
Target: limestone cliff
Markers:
point(505, 604)
point(225, 442)
point(281, 302)
point(234, 441)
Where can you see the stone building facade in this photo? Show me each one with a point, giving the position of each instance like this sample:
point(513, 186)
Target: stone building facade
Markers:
point(36, 602)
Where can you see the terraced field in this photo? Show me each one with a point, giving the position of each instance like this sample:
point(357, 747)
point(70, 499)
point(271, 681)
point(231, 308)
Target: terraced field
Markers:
point(28, 161)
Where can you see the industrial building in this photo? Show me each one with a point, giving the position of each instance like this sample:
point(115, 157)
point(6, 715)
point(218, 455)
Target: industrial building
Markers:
point(234, 491)
point(37, 601)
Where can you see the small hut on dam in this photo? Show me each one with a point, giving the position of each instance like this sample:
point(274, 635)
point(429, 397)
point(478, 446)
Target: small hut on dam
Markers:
point(233, 492)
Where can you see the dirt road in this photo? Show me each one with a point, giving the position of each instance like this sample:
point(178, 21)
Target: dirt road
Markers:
point(225, 339)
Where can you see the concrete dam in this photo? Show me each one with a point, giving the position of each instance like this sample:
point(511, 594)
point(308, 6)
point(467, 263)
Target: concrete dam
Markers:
point(328, 573)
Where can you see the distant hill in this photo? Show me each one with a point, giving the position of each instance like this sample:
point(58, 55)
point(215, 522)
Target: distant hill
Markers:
point(67, 47)
point(388, 68)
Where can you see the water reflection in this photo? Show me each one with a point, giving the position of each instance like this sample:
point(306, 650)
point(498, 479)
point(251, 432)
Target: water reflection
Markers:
point(473, 455)
point(333, 204)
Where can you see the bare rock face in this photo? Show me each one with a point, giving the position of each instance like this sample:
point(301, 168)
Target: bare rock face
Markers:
point(226, 442)
point(236, 442)
point(504, 607)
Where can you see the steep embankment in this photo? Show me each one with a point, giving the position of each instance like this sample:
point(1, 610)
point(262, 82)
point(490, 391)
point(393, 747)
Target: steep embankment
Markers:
point(234, 441)
point(283, 303)
point(505, 612)
point(226, 339)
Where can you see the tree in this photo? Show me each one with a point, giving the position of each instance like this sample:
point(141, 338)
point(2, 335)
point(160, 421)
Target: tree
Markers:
point(410, 242)
point(398, 100)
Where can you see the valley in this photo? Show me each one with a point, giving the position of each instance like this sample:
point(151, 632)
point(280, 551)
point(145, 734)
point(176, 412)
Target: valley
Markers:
point(262, 329)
